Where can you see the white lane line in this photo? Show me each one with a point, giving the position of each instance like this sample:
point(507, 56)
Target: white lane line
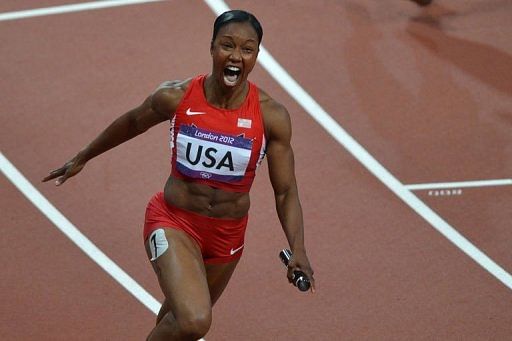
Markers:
point(339, 134)
point(66, 227)
point(460, 184)
point(86, 6)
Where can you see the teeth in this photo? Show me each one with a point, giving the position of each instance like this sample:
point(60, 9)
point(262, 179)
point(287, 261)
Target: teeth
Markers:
point(231, 74)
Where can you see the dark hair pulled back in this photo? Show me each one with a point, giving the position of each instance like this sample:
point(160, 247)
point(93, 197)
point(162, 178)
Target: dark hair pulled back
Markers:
point(237, 16)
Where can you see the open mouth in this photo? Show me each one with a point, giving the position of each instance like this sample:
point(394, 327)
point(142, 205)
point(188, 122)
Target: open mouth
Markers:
point(231, 75)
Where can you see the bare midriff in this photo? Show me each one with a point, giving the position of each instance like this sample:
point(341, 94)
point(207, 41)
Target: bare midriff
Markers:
point(206, 200)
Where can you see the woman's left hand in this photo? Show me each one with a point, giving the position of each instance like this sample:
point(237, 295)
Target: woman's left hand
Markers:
point(299, 262)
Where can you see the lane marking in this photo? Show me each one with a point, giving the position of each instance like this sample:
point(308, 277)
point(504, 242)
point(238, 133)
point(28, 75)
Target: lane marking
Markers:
point(77, 237)
point(86, 6)
point(444, 192)
point(372, 165)
point(460, 184)
point(308, 104)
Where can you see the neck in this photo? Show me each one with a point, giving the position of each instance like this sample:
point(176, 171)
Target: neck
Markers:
point(225, 97)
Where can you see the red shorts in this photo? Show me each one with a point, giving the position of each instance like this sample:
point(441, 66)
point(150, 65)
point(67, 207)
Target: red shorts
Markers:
point(220, 240)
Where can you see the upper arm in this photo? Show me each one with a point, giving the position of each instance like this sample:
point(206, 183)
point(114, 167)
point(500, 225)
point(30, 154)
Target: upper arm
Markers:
point(158, 107)
point(279, 150)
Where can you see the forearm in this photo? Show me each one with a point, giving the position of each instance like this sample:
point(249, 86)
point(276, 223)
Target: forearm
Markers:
point(124, 128)
point(289, 212)
point(119, 131)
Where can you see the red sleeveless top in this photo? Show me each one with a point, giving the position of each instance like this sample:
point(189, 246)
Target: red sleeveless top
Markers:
point(217, 147)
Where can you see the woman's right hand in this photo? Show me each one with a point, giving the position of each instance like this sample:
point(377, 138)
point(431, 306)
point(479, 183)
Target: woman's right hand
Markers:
point(70, 168)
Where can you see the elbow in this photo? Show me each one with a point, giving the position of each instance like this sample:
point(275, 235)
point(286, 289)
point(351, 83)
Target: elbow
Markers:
point(286, 195)
point(135, 127)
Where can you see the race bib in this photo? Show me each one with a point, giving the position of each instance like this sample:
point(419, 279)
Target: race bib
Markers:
point(210, 155)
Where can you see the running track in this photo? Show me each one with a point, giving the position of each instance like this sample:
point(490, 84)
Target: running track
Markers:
point(399, 96)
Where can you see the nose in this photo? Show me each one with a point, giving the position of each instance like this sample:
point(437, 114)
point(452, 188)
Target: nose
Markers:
point(235, 55)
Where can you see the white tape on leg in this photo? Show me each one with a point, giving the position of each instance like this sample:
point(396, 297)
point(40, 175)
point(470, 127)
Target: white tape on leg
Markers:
point(158, 243)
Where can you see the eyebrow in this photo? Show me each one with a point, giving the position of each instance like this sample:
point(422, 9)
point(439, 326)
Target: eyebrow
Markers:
point(232, 37)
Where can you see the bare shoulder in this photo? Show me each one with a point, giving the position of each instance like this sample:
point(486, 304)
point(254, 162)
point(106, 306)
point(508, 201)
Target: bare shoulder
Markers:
point(167, 96)
point(275, 115)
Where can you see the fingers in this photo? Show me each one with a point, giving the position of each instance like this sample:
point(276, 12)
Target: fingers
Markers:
point(289, 273)
point(309, 273)
point(312, 281)
point(55, 173)
point(63, 173)
point(62, 179)
point(305, 268)
point(68, 172)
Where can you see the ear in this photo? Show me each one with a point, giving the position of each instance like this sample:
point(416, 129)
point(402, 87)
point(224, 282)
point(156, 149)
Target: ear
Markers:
point(211, 48)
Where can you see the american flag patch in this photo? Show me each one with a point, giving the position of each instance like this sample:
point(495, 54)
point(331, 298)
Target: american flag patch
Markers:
point(244, 123)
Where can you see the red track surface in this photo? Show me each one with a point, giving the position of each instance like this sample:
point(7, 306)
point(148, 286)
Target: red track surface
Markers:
point(428, 92)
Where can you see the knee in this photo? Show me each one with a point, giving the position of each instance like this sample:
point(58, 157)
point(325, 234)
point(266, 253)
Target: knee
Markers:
point(195, 325)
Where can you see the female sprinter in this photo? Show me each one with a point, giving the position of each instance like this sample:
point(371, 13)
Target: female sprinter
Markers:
point(222, 125)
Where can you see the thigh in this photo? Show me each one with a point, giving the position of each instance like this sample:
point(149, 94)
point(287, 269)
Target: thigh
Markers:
point(182, 275)
point(218, 276)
